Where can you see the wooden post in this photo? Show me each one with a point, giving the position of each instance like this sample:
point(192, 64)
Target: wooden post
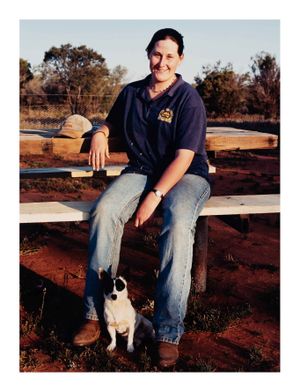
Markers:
point(199, 269)
point(245, 224)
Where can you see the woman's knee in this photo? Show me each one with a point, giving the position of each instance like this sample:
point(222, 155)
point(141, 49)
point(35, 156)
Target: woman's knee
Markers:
point(104, 208)
point(176, 225)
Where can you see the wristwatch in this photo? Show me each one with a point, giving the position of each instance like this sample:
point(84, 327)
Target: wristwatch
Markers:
point(157, 193)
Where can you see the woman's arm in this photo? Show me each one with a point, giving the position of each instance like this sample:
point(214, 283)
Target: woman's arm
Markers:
point(99, 147)
point(173, 173)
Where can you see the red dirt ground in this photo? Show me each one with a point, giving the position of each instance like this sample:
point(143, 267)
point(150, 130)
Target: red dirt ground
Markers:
point(243, 268)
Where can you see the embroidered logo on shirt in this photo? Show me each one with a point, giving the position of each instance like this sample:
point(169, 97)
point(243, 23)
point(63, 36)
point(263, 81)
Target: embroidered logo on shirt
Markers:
point(165, 115)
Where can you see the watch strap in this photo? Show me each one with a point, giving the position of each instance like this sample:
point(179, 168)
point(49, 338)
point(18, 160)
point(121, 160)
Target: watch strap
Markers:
point(157, 193)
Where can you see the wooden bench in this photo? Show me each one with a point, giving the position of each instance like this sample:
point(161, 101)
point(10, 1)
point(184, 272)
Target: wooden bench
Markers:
point(217, 139)
point(77, 171)
point(67, 211)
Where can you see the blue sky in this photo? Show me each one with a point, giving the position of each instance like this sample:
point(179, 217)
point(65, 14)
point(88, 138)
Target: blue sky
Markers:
point(124, 41)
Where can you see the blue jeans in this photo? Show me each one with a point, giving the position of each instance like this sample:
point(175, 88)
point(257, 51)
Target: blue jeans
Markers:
point(180, 208)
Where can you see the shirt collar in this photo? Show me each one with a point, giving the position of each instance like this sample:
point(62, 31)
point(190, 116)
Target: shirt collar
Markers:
point(143, 89)
point(178, 83)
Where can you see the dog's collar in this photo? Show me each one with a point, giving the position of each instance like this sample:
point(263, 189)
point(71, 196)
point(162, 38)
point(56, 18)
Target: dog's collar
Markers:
point(115, 324)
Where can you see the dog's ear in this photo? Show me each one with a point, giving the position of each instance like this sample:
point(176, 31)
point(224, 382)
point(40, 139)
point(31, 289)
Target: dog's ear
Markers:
point(102, 274)
point(108, 283)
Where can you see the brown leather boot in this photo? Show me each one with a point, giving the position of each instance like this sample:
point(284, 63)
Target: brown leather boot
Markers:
point(87, 334)
point(167, 354)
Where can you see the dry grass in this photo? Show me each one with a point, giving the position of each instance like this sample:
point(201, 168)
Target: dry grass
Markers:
point(50, 116)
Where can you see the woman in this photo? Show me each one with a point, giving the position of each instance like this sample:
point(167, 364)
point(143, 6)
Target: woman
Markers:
point(162, 122)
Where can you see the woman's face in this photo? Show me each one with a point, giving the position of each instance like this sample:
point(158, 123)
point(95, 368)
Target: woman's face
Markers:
point(164, 60)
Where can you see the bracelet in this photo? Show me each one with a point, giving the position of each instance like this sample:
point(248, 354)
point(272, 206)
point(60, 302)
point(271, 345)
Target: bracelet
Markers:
point(103, 133)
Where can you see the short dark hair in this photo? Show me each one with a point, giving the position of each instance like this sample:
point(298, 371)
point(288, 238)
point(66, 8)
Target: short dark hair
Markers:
point(164, 34)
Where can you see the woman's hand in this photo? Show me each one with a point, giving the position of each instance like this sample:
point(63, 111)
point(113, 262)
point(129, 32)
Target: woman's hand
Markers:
point(98, 151)
point(146, 209)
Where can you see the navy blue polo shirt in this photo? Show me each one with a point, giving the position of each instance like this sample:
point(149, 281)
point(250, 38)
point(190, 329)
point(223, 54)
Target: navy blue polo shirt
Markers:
point(153, 129)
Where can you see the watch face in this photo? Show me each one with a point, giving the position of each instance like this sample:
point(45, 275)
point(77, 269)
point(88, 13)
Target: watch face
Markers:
point(158, 193)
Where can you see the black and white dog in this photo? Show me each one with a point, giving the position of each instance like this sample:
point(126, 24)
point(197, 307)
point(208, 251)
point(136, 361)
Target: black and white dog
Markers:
point(119, 314)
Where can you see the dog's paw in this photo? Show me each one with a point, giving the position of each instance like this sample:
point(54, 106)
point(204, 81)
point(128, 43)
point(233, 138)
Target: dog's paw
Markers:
point(111, 347)
point(130, 348)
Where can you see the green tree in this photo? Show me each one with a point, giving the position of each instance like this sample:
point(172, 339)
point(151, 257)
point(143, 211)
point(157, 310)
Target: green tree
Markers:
point(222, 90)
point(108, 90)
point(25, 76)
point(25, 72)
point(78, 72)
point(264, 88)
point(34, 94)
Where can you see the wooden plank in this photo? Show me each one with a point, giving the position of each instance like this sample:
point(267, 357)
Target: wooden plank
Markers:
point(64, 211)
point(36, 146)
point(221, 139)
point(78, 172)
point(72, 171)
point(217, 139)
point(67, 211)
point(242, 204)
